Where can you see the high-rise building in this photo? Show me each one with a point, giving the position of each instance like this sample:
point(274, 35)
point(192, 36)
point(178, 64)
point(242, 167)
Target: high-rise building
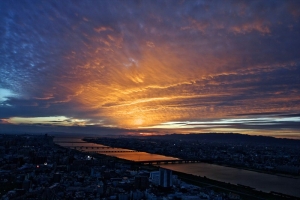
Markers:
point(165, 179)
point(154, 177)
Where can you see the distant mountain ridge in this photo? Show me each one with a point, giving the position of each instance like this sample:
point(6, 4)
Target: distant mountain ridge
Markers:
point(229, 137)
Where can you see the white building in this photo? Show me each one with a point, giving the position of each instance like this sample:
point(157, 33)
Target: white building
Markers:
point(154, 177)
point(165, 177)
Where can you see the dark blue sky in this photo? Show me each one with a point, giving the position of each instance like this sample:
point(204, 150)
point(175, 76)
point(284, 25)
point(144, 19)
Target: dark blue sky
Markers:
point(183, 66)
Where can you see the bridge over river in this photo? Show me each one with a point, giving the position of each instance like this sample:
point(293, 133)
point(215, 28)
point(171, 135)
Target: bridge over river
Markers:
point(90, 147)
point(159, 162)
point(147, 159)
point(71, 142)
point(112, 151)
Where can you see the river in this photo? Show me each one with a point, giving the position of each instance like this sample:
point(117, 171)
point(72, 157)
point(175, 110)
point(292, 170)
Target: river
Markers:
point(129, 155)
point(260, 181)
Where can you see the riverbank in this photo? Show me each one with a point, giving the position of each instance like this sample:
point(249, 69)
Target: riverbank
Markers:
point(245, 178)
point(256, 170)
point(206, 161)
point(243, 191)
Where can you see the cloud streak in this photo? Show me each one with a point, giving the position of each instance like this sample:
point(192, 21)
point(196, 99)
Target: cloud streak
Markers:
point(140, 64)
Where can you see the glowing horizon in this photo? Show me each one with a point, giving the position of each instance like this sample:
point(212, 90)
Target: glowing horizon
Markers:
point(229, 66)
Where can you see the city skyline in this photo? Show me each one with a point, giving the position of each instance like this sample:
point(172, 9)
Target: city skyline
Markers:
point(150, 67)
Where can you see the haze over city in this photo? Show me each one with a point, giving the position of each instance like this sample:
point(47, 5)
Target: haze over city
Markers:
point(150, 67)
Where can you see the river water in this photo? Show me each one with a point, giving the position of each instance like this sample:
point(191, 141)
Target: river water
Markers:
point(133, 156)
point(260, 181)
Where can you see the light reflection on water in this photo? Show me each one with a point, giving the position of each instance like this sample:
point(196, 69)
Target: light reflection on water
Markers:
point(134, 156)
point(141, 156)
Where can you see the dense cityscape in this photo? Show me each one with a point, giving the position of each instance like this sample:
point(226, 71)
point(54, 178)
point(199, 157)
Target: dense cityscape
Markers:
point(34, 167)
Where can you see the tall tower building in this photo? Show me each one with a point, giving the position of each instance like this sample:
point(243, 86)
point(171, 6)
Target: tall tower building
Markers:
point(165, 179)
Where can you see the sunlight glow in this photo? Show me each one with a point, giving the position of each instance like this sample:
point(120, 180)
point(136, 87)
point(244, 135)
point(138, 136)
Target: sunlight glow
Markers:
point(138, 121)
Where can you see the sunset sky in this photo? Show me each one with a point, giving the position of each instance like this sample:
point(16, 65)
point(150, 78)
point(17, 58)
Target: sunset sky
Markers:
point(150, 66)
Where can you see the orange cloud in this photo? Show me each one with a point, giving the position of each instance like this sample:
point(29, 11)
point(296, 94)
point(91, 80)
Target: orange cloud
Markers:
point(138, 69)
point(259, 26)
